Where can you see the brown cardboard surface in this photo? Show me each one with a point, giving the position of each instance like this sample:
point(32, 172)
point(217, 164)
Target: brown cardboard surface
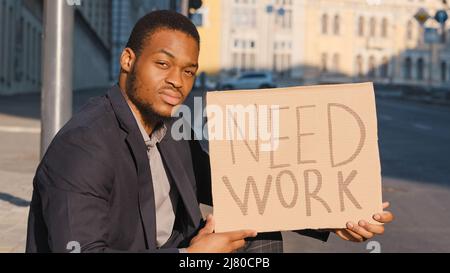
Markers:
point(324, 172)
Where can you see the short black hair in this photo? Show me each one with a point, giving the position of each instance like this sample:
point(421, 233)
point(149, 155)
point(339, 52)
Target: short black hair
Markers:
point(157, 20)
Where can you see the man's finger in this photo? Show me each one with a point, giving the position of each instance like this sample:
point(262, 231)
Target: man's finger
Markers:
point(240, 235)
point(386, 205)
point(375, 229)
point(343, 234)
point(385, 217)
point(237, 245)
point(359, 230)
point(349, 235)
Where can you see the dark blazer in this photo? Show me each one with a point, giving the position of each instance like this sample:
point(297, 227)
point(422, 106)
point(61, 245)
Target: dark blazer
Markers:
point(94, 185)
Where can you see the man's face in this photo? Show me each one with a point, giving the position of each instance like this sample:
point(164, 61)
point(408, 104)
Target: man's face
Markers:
point(163, 75)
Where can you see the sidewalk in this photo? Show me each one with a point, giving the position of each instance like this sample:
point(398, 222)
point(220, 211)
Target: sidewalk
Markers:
point(19, 157)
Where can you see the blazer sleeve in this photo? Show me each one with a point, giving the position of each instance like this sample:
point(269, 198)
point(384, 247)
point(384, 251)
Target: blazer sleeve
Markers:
point(316, 234)
point(74, 184)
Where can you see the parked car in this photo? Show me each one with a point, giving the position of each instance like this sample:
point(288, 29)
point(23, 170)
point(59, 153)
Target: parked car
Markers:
point(210, 85)
point(250, 80)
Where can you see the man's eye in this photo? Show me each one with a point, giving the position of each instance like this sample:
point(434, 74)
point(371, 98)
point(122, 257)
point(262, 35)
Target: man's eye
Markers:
point(190, 73)
point(163, 65)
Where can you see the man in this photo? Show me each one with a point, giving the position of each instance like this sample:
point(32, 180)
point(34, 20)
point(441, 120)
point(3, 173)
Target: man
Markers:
point(114, 179)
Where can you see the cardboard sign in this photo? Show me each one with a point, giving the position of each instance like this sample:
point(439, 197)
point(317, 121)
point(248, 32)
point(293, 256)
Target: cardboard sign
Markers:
point(294, 158)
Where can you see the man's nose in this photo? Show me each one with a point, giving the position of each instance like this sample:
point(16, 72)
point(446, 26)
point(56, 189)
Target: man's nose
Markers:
point(174, 78)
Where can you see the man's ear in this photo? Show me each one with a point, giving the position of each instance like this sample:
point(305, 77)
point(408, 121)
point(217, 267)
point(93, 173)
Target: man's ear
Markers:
point(127, 59)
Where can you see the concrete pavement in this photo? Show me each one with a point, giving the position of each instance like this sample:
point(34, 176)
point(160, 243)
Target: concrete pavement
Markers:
point(19, 155)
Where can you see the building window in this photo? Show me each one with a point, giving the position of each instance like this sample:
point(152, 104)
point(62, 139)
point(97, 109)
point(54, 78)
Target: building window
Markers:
point(384, 28)
point(443, 71)
point(288, 64)
point(36, 56)
point(39, 64)
point(336, 62)
point(372, 67)
point(243, 62)
point(27, 51)
point(284, 20)
point(19, 66)
point(275, 63)
point(337, 25)
point(252, 61)
point(361, 26)
point(3, 34)
point(420, 69)
point(324, 67)
point(373, 27)
point(30, 53)
point(407, 69)
point(33, 55)
point(235, 61)
point(359, 66)
point(241, 17)
point(8, 32)
point(384, 70)
point(409, 31)
point(324, 24)
point(253, 18)
point(288, 18)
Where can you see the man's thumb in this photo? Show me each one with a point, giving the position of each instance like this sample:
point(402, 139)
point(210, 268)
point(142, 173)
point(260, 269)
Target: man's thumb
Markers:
point(210, 225)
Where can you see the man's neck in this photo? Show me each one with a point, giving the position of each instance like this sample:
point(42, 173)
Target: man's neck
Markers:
point(148, 127)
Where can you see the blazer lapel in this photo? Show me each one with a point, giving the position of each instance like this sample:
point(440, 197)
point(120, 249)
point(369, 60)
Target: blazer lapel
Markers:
point(171, 155)
point(146, 192)
point(138, 150)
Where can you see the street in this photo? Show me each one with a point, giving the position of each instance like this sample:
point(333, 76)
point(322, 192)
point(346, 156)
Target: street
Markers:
point(414, 143)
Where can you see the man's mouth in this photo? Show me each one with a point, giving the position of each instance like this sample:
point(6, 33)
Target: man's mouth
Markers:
point(171, 97)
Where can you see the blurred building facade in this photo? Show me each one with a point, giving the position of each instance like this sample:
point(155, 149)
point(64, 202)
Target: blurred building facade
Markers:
point(101, 31)
point(262, 35)
point(20, 50)
point(208, 20)
point(311, 40)
point(21, 45)
point(92, 44)
point(373, 40)
point(323, 41)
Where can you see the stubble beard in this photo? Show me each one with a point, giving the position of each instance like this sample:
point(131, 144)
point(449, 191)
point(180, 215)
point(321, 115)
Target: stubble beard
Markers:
point(148, 113)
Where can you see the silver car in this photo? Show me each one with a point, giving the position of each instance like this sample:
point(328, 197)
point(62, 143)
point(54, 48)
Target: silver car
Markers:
point(250, 80)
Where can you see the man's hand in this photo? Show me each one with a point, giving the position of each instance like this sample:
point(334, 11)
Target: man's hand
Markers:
point(209, 242)
point(363, 231)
